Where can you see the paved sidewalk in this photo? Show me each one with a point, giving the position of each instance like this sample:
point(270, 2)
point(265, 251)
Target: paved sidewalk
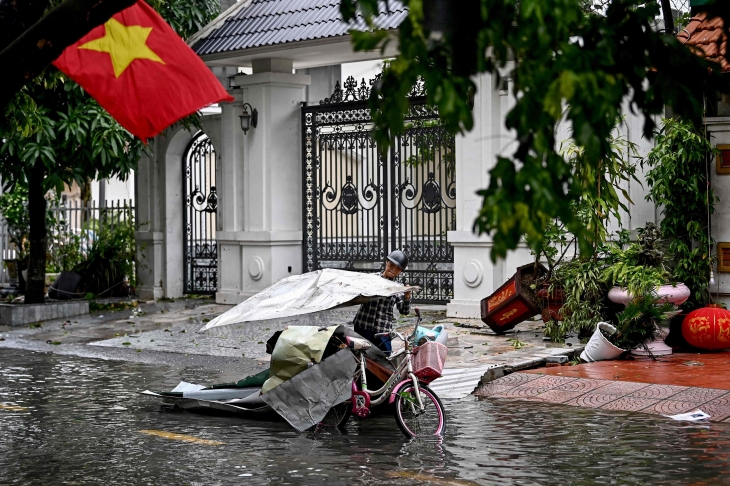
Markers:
point(639, 385)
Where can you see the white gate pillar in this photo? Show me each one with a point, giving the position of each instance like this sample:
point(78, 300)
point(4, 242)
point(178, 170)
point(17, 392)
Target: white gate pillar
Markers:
point(158, 215)
point(475, 275)
point(260, 211)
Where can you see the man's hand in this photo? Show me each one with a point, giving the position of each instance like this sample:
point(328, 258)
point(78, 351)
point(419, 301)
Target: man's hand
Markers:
point(407, 295)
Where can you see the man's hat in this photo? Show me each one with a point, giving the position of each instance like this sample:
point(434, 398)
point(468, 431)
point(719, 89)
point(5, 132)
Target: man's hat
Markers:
point(399, 258)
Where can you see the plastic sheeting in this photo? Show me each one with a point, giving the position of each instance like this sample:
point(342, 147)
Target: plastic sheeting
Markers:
point(308, 293)
point(298, 348)
point(304, 400)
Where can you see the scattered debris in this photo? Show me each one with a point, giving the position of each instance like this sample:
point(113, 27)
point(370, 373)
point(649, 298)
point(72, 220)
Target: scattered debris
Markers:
point(693, 363)
point(695, 416)
point(516, 343)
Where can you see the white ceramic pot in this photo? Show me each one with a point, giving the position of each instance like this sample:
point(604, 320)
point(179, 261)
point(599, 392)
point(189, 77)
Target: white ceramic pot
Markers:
point(676, 295)
point(599, 348)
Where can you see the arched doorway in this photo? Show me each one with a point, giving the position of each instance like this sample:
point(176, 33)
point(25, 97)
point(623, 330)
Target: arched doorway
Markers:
point(200, 250)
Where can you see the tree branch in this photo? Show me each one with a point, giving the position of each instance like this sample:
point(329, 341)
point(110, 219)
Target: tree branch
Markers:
point(16, 16)
point(41, 44)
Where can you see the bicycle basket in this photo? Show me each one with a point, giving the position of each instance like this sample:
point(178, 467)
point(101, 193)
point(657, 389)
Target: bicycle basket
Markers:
point(428, 361)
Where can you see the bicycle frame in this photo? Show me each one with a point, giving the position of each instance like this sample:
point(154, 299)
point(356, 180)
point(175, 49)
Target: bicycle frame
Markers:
point(403, 374)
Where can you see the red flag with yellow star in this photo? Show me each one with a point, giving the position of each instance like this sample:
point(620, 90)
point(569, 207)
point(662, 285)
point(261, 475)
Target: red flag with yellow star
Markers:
point(141, 71)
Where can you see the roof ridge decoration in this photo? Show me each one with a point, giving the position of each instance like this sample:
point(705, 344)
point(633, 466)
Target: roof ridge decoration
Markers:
point(354, 93)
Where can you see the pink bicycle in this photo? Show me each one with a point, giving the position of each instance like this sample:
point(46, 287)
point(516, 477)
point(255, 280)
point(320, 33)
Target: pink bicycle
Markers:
point(418, 410)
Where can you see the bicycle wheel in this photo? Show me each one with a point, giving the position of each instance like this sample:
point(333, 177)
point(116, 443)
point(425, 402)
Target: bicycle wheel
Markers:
point(415, 422)
point(338, 415)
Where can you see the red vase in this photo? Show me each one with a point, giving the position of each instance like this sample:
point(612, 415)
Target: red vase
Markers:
point(708, 328)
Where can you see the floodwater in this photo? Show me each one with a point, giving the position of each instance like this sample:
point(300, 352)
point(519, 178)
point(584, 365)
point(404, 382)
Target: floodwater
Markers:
point(67, 420)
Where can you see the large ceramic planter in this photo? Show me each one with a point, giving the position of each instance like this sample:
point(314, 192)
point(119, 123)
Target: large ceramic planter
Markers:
point(510, 305)
point(552, 303)
point(674, 294)
point(598, 347)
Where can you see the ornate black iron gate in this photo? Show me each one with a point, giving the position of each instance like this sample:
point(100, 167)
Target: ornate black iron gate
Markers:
point(199, 226)
point(359, 204)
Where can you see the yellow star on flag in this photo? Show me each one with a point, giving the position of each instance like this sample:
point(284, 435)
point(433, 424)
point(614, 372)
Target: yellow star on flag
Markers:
point(124, 44)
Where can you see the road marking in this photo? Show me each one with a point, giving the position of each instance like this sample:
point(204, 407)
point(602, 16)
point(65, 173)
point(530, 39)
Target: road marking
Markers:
point(12, 408)
point(182, 437)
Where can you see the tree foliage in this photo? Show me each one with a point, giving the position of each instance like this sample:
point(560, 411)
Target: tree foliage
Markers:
point(678, 184)
point(53, 133)
point(558, 54)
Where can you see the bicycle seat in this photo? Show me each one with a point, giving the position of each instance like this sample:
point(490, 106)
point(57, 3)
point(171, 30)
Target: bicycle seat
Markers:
point(357, 343)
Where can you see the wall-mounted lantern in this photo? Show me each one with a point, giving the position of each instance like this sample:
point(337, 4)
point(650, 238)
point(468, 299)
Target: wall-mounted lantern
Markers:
point(248, 118)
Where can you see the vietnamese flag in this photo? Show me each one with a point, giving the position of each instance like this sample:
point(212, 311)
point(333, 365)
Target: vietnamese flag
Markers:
point(141, 71)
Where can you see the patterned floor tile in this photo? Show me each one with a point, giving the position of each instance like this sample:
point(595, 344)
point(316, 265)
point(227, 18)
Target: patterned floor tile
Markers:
point(721, 400)
point(700, 395)
point(518, 392)
point(548, 382)
point(516, 379)
point(717, 413)
point(592, 400)
point(557, 396)
point(621, 387)
point(582, 385)
point(659, 392)
point(489, 389)
point(630, 404)
point(671, 407)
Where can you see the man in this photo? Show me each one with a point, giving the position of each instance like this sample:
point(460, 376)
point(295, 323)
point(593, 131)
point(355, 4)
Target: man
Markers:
point(377, 316)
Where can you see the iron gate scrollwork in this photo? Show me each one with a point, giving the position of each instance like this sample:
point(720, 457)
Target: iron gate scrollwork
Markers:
point(201, 204)
point(361, 203)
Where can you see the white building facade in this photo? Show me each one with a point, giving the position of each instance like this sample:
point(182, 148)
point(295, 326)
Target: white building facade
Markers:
point(261, 226)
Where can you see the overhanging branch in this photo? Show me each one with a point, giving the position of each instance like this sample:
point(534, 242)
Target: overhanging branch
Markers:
point(42, 43)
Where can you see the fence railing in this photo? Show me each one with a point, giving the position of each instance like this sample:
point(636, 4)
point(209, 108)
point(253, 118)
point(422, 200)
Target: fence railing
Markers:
point(84, 221)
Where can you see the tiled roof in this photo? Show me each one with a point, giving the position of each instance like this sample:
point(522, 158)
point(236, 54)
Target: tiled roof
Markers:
point(272, 22)
point(707, 37)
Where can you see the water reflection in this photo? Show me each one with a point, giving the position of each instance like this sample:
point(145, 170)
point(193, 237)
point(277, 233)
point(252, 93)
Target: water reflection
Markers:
point(79, 421)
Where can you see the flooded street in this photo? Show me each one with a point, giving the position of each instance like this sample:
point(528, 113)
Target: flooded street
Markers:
point(69, 420)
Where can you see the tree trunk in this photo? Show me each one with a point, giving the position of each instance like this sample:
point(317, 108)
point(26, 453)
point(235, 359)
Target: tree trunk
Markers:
point(35, 287)
point(668, 18)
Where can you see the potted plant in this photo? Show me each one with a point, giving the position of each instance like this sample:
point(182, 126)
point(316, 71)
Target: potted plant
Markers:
point(678, 184)
point(636, 327)
point(552, 250)
point(640, 269)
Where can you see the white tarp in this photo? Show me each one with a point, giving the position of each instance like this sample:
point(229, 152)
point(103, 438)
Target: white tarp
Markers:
point(308, 293)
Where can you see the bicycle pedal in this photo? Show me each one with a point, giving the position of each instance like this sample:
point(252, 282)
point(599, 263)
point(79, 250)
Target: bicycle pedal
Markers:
point(362, 412)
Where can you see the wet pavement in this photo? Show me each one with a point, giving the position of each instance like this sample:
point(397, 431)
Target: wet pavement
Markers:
point(153, 331)
point(703, 370)
point(73, 420)
point(670, 385)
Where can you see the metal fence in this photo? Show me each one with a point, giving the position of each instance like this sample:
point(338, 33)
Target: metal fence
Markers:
point(84, 221)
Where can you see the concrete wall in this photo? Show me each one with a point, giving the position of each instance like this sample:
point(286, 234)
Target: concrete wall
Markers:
point(475, 275)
